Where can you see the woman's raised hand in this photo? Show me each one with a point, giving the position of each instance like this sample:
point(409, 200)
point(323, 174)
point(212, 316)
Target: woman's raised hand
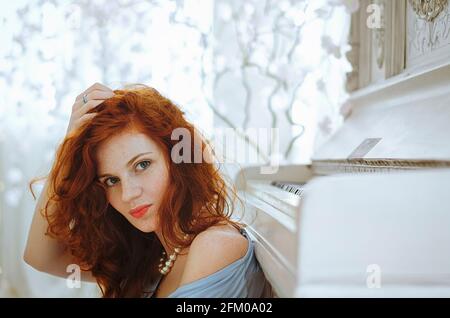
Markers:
point(89, 99)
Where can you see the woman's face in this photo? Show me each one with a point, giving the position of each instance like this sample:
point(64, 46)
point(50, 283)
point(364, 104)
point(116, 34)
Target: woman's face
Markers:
point(134, 170)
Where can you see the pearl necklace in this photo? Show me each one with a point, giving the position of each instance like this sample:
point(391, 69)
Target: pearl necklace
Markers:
point(164, 268)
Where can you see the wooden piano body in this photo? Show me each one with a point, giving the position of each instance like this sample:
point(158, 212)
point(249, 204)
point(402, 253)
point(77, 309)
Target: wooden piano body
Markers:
point(370, 215)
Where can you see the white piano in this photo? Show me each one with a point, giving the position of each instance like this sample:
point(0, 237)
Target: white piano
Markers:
point(370, 216)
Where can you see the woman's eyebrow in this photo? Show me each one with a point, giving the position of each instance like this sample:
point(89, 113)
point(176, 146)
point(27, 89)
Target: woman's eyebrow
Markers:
point(128, 164)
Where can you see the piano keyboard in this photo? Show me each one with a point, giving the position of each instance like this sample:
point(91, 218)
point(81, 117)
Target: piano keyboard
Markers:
point(280, 195)
point(295, 188)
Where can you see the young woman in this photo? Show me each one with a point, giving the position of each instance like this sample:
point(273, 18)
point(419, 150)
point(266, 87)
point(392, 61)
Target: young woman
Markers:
point(119, 203)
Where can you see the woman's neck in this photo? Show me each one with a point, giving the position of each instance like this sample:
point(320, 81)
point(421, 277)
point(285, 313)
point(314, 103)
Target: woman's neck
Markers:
point(164, 243)
point(169, 250)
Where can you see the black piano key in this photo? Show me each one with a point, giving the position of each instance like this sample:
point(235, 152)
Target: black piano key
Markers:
point(295, 188)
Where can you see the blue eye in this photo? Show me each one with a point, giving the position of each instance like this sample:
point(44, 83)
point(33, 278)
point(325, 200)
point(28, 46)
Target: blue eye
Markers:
point(147, 163)
point(143, 164)
point(106, 182)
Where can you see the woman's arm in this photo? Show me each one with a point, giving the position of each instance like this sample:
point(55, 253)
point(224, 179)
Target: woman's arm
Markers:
point(44, 253)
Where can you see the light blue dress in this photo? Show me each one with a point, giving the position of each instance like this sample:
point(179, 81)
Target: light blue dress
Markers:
point(243, 278)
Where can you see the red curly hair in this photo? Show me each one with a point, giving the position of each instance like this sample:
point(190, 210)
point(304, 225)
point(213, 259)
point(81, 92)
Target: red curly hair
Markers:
point(123, 259)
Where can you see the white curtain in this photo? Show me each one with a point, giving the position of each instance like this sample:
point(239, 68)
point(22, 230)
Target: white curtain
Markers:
point(282, 65)
point(227, 63)
point(50, 52)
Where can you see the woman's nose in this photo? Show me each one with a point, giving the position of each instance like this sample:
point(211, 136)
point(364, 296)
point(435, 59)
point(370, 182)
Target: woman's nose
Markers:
point(130, 191)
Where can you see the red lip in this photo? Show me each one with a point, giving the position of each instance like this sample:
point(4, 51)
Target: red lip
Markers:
point(139, 211)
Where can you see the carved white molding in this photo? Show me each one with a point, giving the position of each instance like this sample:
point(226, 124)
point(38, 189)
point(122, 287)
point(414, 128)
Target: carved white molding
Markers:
point(426, 40)
point(395, 37)
point(365, 46)
point(428, 9)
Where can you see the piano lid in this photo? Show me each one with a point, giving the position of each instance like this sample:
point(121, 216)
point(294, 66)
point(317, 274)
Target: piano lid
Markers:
point(403, 122)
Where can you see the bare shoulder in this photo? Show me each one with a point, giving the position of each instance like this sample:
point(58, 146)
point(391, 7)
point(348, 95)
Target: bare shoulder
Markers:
point(212, 250)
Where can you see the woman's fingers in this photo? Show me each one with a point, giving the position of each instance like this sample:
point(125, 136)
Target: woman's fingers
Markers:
point(94, 87)
point(98, 94)
point(94, 95)
point(80, 121)
point(89, 105)
point(86, 117)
